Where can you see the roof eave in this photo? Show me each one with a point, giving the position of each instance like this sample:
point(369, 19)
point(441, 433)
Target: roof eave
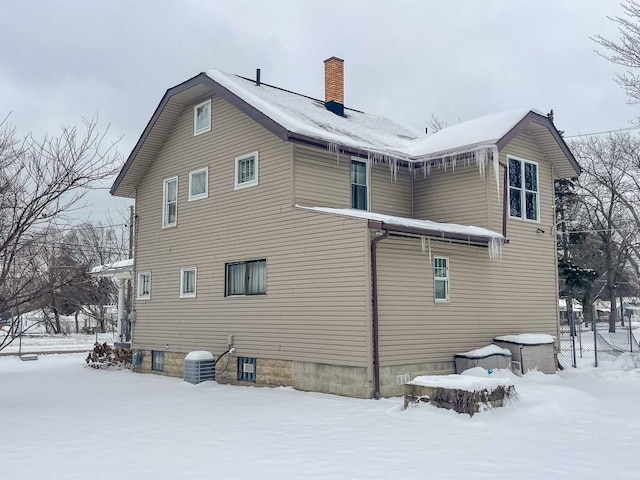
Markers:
point(222, 92)
point(479, 240)
point(545, 122)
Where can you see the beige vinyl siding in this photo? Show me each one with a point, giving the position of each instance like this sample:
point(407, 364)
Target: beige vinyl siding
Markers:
point(324, 180)
point(515, 295)
point(484, 302)
point(452, 196)
point(318, 298)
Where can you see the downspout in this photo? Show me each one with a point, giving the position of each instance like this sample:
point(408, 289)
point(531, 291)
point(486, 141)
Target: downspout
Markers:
point(374, 312)
point(504, 201)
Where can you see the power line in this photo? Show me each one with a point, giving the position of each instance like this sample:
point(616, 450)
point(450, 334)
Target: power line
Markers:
point(635, 127)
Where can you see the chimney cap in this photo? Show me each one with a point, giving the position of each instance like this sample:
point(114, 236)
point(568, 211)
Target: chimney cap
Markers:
point(333, 58)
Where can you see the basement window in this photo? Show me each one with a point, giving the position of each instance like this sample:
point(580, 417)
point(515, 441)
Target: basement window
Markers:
point(247, 369)
point(157, 361)
point(202, 118)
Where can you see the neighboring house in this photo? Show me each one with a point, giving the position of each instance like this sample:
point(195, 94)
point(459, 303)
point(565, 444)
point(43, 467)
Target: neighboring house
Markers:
point(578, 314)
point(332, 243)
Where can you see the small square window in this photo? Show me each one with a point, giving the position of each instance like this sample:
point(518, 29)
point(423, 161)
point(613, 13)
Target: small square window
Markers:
point(246, 171)
point(170, 202)
point(188, 277)
point(247, 369)
point(199, 184)
point(144, 286)
point(202, 118)
point(157, 361)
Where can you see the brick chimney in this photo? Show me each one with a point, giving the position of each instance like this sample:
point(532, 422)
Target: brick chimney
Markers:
point(334, 85)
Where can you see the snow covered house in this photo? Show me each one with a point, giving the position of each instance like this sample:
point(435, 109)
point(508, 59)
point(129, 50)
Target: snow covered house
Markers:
point(343, 252)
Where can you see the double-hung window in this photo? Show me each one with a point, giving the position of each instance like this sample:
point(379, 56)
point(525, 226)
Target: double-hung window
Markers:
point(523, 189)
point(202, 118)
point(359, 185)
point(246, 171)
point(170, 202)
point(198, 184)
point(246, 278)
point(144, 286)
point(441, 279)
point(188, 278)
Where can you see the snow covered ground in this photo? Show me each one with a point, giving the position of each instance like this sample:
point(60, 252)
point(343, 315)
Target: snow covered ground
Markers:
point(56, 343)
point(61, 420)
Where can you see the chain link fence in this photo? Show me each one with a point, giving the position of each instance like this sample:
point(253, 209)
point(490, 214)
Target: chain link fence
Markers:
point(603, 345)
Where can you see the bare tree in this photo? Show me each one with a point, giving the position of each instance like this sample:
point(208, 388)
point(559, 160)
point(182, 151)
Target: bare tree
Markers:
point(435, 124)
point(606, 194)
point(626, 50)
point(41, 182)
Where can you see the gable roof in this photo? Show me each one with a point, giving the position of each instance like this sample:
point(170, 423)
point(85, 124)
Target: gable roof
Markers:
point(295, 117)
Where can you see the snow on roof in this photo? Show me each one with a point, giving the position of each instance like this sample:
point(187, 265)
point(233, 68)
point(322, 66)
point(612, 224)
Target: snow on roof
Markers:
point(527, 339)
point(363, 131)
point(461, 382)
point(562, 304)
point(409, 222)
point(486, 130)
point(308, 116)
point(112, 267)
point(485, 352)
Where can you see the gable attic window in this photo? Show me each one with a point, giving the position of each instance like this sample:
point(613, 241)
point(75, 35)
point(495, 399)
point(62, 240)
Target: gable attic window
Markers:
point(202, 118)
point(441, 279)
point(188, 277)
point(199, 184)
point(144, 286)
point(246, 278)
point(170, 202)
point(246, 171)
point(523, 189)
point(359, 185)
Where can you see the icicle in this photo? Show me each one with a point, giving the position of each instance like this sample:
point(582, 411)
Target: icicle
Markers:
point(424, 244)
point(481, 161)
point(429, 244)
point(495, 249)
point(333, 147)
point(496, 168)
point(453, 164)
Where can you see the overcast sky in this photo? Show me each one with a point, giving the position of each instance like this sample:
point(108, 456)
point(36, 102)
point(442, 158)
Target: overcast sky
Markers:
point(65, 60)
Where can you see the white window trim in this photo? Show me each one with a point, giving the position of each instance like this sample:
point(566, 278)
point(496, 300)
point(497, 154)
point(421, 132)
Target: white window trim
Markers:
point(524, 218)
point(195, 282)
point(199, 196)
point(252, 183)
point(140, 296)
point(195, 118)
point(164, 202)
point(368, 178)
point(448, 279)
